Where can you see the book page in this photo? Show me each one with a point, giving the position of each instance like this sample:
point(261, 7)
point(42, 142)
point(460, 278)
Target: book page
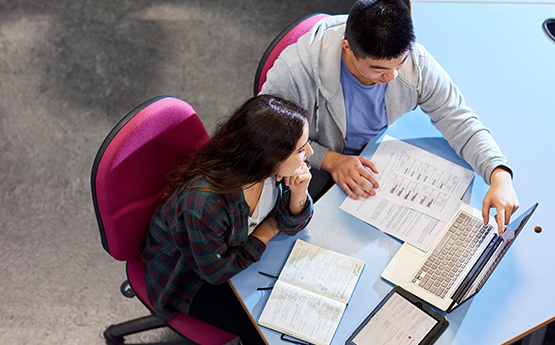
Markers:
point(322, 271)
point(419, 193)
point(302, 314)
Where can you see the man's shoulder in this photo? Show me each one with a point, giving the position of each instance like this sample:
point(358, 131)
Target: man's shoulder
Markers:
point(300, 63)
point(320, 34)
point(337, 20)
point(324, 29)
point(418, 60)
point(419, 51)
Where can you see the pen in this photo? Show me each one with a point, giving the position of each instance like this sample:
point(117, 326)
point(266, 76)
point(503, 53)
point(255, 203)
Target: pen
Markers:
point(268, 275)
point(265, 288)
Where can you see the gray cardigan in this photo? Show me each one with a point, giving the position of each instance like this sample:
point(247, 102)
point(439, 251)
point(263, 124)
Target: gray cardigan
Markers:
point(308, 72)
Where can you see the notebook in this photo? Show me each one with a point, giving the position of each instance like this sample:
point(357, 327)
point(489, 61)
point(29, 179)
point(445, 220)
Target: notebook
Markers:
point(459, 262)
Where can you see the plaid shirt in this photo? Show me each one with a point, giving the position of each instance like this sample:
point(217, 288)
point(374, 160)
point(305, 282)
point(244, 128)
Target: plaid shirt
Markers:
point(201, 236)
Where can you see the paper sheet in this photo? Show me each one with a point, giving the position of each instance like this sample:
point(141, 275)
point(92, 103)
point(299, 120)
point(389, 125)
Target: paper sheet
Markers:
point(322, 271)
point(419, 192)
point(398, 322)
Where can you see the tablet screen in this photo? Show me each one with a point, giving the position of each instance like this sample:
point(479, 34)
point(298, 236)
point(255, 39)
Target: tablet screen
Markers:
point(398, 322)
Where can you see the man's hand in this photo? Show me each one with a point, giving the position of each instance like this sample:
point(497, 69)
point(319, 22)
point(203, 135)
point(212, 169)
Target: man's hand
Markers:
point(351, 174)
point(501, 195)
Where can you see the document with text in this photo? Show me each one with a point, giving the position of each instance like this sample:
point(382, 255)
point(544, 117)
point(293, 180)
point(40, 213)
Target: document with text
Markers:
point(398, 322)
point(419, 192)
point(310, 296)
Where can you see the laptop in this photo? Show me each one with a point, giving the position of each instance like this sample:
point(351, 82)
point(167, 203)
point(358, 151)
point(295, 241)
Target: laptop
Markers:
point(459, 262)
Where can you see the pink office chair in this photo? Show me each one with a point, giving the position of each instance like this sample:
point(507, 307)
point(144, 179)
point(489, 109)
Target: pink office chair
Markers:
point(286, 37)
point(128, 176)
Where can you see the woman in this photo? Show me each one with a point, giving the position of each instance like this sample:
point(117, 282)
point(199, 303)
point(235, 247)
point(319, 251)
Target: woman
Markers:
point(223, 204)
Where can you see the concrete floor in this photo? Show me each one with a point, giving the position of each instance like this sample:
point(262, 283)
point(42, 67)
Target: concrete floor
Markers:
point(69, 70)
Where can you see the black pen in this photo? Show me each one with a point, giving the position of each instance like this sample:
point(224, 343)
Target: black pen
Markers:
point(267, 275)
point(265, 288)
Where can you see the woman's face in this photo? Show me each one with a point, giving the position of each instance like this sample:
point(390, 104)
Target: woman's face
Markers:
point(293, 164)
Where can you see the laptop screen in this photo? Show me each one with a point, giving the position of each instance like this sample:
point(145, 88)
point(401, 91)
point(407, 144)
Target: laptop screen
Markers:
point(491, 257)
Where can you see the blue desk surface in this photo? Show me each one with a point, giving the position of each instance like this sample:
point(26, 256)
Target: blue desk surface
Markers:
point(499, 57)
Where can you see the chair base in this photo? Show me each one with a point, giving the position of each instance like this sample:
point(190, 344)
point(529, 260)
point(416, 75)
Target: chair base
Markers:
point(115, 333)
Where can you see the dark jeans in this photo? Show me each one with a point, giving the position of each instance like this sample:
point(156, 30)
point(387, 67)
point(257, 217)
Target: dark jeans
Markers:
point(219, 306)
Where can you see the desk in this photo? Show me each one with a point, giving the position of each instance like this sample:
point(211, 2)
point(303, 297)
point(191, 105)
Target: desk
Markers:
point(505, 66)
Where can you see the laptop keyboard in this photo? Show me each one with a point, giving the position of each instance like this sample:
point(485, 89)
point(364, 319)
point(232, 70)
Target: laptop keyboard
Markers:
point(451, 255)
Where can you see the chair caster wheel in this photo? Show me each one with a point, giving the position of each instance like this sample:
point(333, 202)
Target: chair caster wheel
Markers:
point(127, 290)
point(111, 339)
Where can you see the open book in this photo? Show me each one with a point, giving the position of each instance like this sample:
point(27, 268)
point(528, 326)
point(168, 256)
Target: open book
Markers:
point(310, 296)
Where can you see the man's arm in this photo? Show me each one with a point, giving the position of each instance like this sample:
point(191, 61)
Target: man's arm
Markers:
point(444, 103)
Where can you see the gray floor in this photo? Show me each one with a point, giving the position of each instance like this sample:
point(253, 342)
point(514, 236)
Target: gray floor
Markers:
point(69, 70)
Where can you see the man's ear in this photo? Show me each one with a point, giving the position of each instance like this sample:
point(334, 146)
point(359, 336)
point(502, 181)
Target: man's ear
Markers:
point(347, 47)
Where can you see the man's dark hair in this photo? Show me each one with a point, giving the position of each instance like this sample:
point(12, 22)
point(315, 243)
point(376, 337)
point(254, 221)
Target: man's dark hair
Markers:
point(379, 29)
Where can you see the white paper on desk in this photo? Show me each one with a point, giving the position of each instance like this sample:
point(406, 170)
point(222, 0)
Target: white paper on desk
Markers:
point(322, 271)
point(419, 192)
point(398, 322)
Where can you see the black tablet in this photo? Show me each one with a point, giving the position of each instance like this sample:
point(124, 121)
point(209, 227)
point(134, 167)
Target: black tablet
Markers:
point(400, 319)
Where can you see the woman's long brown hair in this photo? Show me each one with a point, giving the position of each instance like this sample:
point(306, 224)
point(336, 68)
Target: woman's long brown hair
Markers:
point(245, 149)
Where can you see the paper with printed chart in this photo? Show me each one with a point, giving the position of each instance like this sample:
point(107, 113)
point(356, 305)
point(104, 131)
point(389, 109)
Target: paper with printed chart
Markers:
point(419, 193)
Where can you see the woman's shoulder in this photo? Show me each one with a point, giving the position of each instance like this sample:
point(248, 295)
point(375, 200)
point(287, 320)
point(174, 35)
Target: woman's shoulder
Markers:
point(200, 195)
point(198, 189)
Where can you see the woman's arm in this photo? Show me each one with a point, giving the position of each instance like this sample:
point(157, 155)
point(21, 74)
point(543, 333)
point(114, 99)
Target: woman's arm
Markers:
point(212, 238)
point(266, 230)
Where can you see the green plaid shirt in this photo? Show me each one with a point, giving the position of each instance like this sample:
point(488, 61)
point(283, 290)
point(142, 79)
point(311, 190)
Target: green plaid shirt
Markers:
point(201, 236)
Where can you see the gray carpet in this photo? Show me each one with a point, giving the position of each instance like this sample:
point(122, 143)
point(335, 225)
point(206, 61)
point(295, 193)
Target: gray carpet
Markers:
point(69, 70)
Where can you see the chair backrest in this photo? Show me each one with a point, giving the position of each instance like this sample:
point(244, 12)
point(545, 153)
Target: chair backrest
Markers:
point(286, 37)
point(131, 168)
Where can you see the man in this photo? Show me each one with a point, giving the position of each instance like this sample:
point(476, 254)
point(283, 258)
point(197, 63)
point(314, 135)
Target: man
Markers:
point(358, 74)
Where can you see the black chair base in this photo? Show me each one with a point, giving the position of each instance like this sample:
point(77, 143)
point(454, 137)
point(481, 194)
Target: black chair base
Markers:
point(115, 333)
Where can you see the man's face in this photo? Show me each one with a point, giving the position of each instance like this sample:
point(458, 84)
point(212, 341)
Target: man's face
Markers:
point(370, 71)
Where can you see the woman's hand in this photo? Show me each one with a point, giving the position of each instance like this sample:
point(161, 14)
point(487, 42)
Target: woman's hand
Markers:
point(298, 184)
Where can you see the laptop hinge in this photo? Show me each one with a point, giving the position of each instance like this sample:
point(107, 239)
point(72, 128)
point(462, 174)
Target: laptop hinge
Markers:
point(451, 307)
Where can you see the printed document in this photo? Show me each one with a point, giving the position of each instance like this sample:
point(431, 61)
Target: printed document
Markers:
point(398, 322)
point(419, 192)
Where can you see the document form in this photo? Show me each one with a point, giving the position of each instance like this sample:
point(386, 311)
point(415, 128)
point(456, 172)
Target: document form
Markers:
point(398, 322)
point(419, 192)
